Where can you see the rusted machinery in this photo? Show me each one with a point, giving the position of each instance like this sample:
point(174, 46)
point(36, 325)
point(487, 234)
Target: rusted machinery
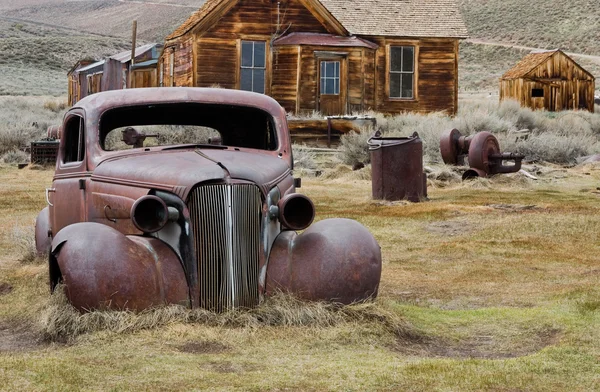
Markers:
point(397, 168)
point(483, 152)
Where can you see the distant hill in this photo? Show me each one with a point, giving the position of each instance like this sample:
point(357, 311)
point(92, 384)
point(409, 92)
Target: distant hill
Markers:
point(41, 39)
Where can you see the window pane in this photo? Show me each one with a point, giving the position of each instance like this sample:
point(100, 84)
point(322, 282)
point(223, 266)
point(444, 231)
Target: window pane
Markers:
point(322, 85)
point(246, 79)
point(337, 69)
point(259, 54)
point(408, 59)
point(247, 53)
point(329, 69)
point(407, 85)
point(259, 81)
point(395, 81)
point(336, 86)
point(329, 86)
point(322, 69)
point(396, 58)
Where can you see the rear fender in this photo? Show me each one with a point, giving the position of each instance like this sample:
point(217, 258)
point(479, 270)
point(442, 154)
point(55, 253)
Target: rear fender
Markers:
point(335, 260)
point(102, 268)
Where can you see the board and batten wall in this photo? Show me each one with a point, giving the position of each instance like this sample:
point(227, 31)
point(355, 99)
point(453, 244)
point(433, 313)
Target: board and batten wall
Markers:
point(565, 86)
point(211, 57)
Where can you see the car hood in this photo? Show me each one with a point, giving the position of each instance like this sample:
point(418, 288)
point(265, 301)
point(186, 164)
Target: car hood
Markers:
point(178, 171)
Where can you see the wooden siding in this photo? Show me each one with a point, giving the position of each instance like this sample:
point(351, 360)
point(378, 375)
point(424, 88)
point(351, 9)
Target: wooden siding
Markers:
point(565, 86)
point(284, 82)
point(217, 63)
point(436, 75)
point(259, 18)
point(145, 78)
point(359, 71)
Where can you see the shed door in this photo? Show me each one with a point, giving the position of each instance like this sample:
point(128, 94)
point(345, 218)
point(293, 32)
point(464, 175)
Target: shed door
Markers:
point(332, 86)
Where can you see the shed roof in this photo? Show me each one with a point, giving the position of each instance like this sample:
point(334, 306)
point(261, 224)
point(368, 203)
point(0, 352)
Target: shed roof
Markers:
point(125, 56)
point(399, 18)
point(323, 40)
point(528, 64)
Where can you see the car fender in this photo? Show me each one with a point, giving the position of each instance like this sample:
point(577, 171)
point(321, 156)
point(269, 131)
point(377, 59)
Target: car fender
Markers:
point(102, 268)
point(42, 232)
point(335, 260)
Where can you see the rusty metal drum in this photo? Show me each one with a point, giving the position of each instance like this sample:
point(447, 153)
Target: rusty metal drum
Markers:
point(397, 168)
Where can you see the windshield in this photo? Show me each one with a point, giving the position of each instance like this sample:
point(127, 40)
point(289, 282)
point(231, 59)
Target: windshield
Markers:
point(186, 123)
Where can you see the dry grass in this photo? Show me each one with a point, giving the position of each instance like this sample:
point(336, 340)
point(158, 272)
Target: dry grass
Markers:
point(486, 287)
point(61, 322)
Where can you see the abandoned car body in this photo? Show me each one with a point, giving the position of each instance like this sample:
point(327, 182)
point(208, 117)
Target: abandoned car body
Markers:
point(202, 215)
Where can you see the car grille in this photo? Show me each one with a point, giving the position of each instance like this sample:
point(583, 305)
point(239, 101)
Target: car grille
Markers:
point(226, 224)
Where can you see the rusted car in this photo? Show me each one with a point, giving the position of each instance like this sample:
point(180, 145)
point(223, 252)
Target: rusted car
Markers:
point(186, 196)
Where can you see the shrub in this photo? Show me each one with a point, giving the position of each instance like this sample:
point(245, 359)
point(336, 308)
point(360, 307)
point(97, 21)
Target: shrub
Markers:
point(304, 158)
point(55, 106)
point(24, 240)
point(355, 149)
point(15, 156)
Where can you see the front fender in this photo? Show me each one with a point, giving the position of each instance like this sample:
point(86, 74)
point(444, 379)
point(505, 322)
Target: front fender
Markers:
point(102, 268)
point(42, 232)
point(335, 260)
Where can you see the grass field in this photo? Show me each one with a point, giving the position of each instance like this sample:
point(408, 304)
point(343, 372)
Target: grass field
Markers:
point(495, 285)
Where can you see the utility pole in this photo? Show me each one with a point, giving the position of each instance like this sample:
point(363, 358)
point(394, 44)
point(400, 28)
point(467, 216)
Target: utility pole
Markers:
point(132, 63)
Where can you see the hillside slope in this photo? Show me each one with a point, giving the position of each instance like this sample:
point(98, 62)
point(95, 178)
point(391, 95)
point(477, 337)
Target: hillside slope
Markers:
point(41, 39)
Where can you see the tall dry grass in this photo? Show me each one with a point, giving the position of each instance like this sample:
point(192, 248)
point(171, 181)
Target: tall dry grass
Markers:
point(25, 119)
point(559, 138)
point(61, 322)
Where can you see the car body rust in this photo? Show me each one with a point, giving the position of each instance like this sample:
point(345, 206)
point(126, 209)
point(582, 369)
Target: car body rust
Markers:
point(207, 225)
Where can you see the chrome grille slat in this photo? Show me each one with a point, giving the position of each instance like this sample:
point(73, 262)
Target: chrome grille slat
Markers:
point(226, 225)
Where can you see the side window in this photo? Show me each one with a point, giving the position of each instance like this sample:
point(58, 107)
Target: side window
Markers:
point(74, 140)
point(402, 71)
point(253, 66)
point(161, 71)
point(172, 68)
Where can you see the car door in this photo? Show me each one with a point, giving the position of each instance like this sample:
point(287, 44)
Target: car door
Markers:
point(67, 195)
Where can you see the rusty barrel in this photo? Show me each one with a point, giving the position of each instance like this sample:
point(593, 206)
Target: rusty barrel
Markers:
point(397, 168)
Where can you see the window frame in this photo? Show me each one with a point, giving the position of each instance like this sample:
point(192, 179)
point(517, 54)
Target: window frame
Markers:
point(415, 72)
point(265, 68)
point(338, 78)
point(81, 142)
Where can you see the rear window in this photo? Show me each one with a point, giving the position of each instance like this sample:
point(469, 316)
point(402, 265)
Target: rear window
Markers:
point(190, 123)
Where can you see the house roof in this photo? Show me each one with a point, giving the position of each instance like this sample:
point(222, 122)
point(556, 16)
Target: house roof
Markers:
point(399, 18)
point(323, 40)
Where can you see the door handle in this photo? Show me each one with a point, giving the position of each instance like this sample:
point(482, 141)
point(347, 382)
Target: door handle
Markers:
point(48, 190)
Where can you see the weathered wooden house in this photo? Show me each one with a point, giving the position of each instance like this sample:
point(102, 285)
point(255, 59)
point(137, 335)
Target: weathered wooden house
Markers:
point(549, 80)
point(333, 56)
point(115, 72)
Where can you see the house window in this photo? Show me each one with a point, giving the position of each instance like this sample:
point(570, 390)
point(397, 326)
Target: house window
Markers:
point(254, 66)
point(73, 139)
point(402, 71)
point(330, 77)
point(537, 93)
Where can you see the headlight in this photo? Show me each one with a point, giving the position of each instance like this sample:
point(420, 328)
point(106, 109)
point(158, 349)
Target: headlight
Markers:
point(296, 211)
point(149, 214)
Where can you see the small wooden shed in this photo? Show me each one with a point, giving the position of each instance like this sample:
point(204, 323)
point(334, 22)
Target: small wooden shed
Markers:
point(549, 80)
point(115, 72)
point(332, 56)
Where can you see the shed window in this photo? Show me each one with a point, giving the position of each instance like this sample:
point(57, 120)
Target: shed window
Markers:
point(253, 66)
point(402, 71)
point(161, 75)
point(74, 149)
point(537, 93)
point(330, 77)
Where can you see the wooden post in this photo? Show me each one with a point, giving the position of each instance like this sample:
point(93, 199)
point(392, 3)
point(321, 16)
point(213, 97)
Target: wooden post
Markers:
point(133, 43)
